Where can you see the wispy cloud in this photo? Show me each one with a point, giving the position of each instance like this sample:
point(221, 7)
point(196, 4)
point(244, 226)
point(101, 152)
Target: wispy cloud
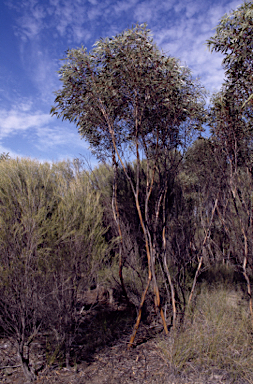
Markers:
point(45, 29)
point(55, 136)
point(39, 25)
point(20, 120)
point(152, 10)
point(31, 17)
point(64, 18)
point(180, 28)
point(123, 6)
point(186, 37)
point(41, 132)
point(43, 71)
point(144, 12)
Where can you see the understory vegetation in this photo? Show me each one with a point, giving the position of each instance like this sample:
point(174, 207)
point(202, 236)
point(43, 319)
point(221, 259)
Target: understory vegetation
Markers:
point(60, 285)
point(159, 236)
point(216, 337)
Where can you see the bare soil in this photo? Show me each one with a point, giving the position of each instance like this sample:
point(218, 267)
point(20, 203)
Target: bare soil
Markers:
point(100, 355)
point(143, 364)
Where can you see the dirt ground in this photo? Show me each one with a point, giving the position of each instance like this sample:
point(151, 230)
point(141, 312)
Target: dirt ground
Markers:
point(143, 364)
point(102, 357)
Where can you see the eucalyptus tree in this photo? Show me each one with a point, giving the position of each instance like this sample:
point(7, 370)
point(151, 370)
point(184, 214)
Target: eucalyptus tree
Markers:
point(233, 38)
point(131, 102)
point(232, 134)
point(231, 124)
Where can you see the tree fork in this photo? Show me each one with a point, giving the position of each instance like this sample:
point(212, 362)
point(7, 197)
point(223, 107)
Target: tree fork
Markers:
point(158, 303)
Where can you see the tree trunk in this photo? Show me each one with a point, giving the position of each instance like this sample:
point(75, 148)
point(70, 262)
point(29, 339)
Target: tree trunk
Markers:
point(172, 290)
point(23, 352)
point(156, 292)
point(116, 218)
point(136, 326)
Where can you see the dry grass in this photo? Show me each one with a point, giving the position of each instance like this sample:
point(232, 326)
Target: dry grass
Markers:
point(216, 338)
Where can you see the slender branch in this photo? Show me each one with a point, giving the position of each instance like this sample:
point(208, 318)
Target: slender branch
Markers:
point(172, 289)
point(201, 258)
point(116, 218)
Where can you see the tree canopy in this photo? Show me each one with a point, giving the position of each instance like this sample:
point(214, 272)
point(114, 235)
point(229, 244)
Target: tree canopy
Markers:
point(233, 38)
point(126, 88)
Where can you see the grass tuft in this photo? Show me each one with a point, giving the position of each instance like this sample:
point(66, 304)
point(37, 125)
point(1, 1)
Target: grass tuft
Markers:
point(217, 336)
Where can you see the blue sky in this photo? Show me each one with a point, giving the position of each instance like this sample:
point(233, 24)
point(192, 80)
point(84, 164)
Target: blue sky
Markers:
point(35, 35)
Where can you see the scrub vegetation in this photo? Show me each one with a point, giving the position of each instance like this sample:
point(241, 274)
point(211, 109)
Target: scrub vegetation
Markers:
point(153, 249)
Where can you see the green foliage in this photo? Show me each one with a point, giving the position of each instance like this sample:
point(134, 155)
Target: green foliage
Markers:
point(25, 203)
point(233, 38)
point(51, 247)
point(128, 97)
point(78, 220)
point(232, 135)
point(230, 119)
point(4, 156)
point(203, 169)
point(222, 275)
point(231, 128)
point(24, 216)
point(125, 88)
point(216, 338)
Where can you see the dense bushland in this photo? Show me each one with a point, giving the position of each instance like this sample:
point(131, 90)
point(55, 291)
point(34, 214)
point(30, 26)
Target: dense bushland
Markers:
point(52, 246)
point(161, 228)
point(59, 240)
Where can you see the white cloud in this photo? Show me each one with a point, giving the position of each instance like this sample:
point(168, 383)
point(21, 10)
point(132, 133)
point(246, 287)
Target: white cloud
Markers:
point(183, 36)
point(187, 35)
point(144, 12)
point(192, 8)
point(55, 3)
point(93, 13)
point(55, 136)
point(44, 74)
point(18, 120)
point(38, 12)
point(29, 30)
point(25, 105)
point(93, 2)
point(81, 34)
point(30, 23)
point(40, 133)
point(151, 11)
point(122, 6)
